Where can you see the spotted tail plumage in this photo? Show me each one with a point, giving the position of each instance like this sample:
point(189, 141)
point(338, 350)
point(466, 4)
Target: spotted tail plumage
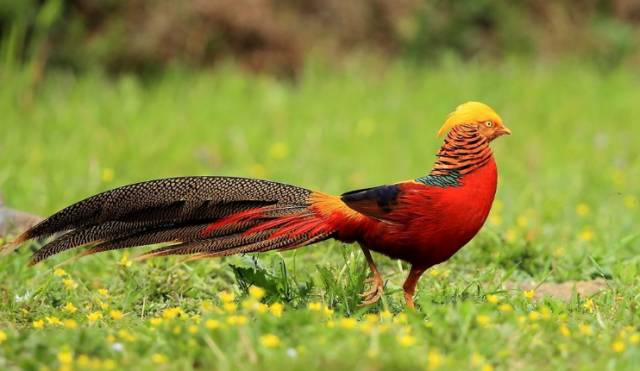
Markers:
point(199, 216)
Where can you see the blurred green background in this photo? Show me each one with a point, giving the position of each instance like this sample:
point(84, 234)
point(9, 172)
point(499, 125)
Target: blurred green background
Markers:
point(146, 36)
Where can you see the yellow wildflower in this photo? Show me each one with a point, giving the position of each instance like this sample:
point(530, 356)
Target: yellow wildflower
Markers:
point(270, 340)
point(505, 307)
point(314, 306)
point(371, 318)
point(230, 307)
point(328, 312)
point(589, 305)
point(116, 315)
point(521, 320)
point(400, 318)
point(124, 260)
point(493, 299)
point(155, 321)
point(126, 335)
point(276, 309)
point(495, 220)
point(94, 316)
point(385, 314)
point(69, 283)
point(564, 330)
point(256, 292)
point(177, 329)
point(109, 364)
point(103, 292)
point(348, 323)
point(70, 308)
point(534, 315)
point(159, 359)
point(59, 272)
point(53, 321)
point(226, 296)
point(3, 336)
point(477, 359)
point(212, 324)
point(586, 234)
point(248, 304)
point(207, 306)
point(434, 359)
point(331, 324)
point(171, 313)
point(511, 235)
point(366, 327)
point(618, 346)
point(559, 252)
point(38, 324)
point(585, 329)
point(582, 209)
point(237, 320)
point(486, 367)
point(83, 360)
point(634, 339)
point(65, 357)
point(483, 320)
point(261, 308)
point(406, 340)
point(434, 272)
point(69, 323)
point(631, 202)
point(522, 221)
point(95, 363)
point(529, 294)
point(278, 150)
point(107, 174)
point(545, 313)
point(193, 329)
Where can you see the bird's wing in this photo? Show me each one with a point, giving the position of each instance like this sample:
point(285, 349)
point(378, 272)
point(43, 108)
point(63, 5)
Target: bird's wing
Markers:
point(376, 202)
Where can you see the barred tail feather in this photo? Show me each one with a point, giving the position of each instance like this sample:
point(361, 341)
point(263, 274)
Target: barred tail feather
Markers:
point(199, 216)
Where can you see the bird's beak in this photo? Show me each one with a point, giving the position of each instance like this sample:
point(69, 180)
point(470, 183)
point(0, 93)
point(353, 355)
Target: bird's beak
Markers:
point(503, 131)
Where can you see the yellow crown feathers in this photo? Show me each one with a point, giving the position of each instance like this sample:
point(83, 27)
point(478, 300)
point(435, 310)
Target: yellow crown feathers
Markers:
point(468, 113)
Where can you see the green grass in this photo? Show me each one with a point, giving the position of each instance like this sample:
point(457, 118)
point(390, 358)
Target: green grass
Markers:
point(575, 142)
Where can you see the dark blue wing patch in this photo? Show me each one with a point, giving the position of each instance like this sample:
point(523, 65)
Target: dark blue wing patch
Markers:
point(375, 202)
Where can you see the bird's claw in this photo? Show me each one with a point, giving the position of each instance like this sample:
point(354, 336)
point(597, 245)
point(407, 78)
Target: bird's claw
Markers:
point(374, 294)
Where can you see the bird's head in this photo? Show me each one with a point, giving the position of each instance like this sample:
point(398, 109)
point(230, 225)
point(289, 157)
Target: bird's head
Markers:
point(488, 122)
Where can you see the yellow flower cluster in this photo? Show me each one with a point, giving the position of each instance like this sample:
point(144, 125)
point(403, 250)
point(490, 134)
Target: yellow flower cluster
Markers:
point(67, 361)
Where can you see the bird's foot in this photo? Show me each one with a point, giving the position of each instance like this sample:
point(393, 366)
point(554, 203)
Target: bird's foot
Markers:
point(374, 294)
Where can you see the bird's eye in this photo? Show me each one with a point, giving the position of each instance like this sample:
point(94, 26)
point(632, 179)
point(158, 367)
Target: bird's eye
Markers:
point(488, 124)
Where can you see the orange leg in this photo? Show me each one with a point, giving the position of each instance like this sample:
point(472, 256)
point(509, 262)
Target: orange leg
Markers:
point(374, 294)
point(410, 284)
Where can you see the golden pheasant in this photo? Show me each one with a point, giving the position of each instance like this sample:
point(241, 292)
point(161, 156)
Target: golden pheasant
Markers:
point(422, 221)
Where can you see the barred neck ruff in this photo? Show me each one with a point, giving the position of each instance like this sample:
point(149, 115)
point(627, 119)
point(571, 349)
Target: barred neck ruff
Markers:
point(464, 150)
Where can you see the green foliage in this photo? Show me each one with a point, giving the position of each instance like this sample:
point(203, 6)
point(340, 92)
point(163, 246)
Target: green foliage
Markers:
point(147, 36)
point(567, 210)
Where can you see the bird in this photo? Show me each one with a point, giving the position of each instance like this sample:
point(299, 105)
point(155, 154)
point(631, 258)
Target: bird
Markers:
point(423, 221)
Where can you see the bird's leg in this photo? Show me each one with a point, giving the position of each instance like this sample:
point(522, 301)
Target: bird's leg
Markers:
point(410, 284)
point(372, 295)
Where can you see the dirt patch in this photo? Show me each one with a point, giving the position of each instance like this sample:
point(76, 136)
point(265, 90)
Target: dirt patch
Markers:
point(563, 291)
point(14, 221)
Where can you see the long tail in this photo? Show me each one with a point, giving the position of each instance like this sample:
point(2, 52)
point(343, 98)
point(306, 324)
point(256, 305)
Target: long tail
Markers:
point(200, 216)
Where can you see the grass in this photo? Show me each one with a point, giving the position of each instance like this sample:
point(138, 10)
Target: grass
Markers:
point(567, 210)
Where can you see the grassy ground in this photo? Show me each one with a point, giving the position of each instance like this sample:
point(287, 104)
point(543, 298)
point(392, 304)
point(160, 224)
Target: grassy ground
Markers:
point(566, 210)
